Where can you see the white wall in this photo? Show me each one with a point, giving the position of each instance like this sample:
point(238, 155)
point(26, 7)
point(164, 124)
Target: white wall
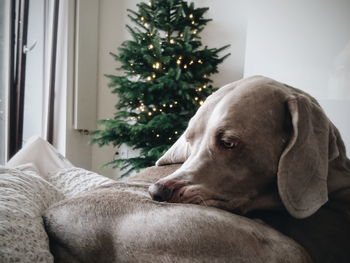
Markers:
point(110, 37)
point(307, 45)
point(228, 27)
point(77, 148)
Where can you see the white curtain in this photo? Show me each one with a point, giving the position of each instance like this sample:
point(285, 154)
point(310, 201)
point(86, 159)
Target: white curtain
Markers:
point(60, 84)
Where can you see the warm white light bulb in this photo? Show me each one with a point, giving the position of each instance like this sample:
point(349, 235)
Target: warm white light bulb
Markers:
point(156, 65)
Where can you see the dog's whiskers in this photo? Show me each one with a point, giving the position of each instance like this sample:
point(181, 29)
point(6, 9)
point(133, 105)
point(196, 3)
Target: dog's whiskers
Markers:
point(203, 201)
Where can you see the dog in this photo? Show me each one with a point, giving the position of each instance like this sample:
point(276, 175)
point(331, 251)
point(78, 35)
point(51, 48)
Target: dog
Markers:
point(261, 148)
point(257, 148)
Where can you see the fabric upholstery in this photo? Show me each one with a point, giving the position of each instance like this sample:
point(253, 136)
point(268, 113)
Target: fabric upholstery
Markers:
point(24, 196)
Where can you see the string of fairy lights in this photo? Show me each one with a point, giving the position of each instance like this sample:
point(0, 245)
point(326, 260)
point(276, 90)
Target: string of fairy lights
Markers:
point(179, 60)
point(142, 108)
point(157, 66)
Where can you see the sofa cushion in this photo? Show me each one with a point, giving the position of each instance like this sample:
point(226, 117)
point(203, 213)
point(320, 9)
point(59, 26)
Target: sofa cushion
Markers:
point(24, 195)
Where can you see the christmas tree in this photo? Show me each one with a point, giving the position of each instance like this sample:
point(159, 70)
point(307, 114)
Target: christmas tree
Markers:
point(166, 77)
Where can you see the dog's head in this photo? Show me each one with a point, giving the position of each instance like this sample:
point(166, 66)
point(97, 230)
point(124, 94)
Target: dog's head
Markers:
point(251, 145)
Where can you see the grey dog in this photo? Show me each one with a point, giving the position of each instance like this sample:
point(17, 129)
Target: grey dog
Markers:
point(257, 148)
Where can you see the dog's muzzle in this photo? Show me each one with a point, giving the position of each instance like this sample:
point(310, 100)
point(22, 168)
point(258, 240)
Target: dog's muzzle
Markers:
point(160, 192)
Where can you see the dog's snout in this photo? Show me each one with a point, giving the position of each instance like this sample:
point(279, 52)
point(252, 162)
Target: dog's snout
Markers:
point(160, 192)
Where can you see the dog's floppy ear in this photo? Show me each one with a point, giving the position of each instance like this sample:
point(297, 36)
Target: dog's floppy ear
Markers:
point(303, 166)
point(177, 153)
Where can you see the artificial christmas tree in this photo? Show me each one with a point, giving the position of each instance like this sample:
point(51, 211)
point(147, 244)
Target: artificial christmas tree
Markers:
point(166, 78)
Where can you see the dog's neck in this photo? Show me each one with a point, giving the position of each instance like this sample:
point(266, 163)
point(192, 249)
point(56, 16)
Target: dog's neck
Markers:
point(339, 179)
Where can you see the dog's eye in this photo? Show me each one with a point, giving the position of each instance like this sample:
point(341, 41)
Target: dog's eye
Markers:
point(228, 144)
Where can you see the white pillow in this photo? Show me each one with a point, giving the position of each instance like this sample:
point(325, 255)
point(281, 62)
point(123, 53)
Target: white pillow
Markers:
point(42, 154)
point(73, 181)
point(24, 195)
point(55, 168)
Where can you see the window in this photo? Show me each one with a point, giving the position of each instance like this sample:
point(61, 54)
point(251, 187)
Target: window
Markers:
point(34, 70)
point(29, 31)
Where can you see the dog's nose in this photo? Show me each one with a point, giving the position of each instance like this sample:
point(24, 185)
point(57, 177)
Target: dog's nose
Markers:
point(160, 192)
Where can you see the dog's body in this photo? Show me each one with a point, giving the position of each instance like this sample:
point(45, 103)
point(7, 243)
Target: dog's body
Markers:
point(120, 223)
point(256, 147)
point(324, 235)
